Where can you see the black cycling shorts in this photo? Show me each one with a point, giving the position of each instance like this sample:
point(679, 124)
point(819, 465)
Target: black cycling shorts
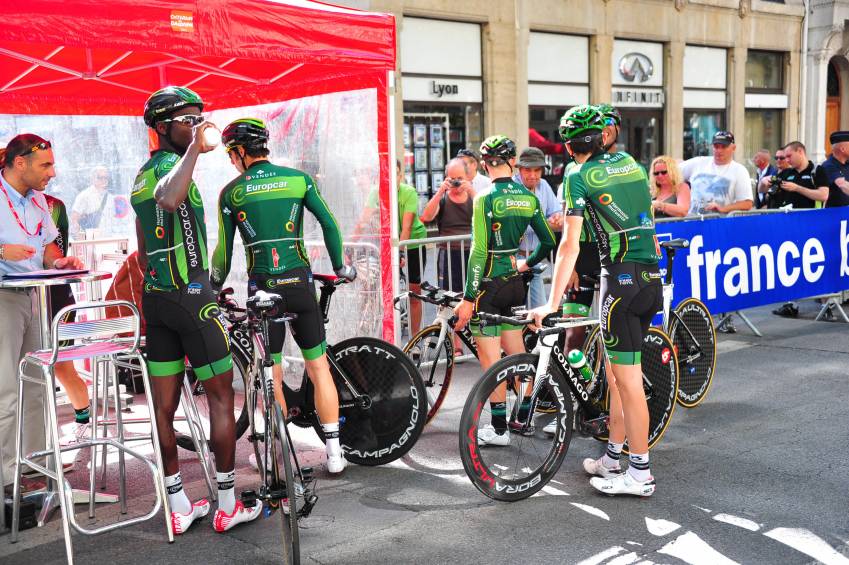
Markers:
point(186, 323)
point(580, 302)
point(416, 263)
point(498, 296)
point(297, 289)
point(60, 297)
point(631, 295)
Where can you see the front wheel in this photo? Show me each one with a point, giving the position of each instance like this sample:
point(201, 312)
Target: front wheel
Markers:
point(385, 418)
point(434, 360)
point(284, 487)
point(530, 457)
point(693, 333)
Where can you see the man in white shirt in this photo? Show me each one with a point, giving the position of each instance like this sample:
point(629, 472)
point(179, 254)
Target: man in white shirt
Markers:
point(94, 207)
point(718, 183)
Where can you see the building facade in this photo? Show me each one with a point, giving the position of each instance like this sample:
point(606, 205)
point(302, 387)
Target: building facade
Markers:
point(679, 70)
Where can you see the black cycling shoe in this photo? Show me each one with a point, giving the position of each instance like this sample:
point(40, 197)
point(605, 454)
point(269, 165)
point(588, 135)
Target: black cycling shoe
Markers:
point(788, 310)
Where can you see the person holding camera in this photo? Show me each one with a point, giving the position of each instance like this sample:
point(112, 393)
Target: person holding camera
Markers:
point(795, 186)
point(764, 170)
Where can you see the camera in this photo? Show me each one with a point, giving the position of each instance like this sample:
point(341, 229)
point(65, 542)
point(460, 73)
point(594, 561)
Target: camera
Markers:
point(774, 184)
point(455, 182)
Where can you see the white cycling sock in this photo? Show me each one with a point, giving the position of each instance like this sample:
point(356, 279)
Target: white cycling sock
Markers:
point(226, 491)
point(610, 459)
point(639, 466)
point(331, 436)
point(177, 498)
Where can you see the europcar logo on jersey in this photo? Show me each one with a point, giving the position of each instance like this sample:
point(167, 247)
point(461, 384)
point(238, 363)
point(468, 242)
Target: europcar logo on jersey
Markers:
point(241, 216)
point(159, 232)
point(605, 199)
point(665, 356)
point(209, 311)
point(645, 276)
point(194, 288)
point(496, 226)
point(625, 279)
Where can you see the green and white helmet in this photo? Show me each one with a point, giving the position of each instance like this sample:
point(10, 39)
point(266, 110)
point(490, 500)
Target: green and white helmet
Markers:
point(498, 146)
point(581, 120)
point(611, 115)
point(164, 102)
point(247, 132)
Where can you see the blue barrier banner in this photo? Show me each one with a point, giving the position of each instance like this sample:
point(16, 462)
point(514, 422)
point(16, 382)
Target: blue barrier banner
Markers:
point(741, 262)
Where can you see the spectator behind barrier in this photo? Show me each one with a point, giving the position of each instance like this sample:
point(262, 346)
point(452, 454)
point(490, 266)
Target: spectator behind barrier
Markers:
point(530, 167)
point(479, 182)
point(670, 195)
point(795, 185)
point(718, 183)
point(763, 170)
point(833, 172)
point(781, 164)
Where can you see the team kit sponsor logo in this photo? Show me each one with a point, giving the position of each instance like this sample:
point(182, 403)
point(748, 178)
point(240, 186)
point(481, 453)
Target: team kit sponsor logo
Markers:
point(194, 288)
point(625, 279)
point(189, 242)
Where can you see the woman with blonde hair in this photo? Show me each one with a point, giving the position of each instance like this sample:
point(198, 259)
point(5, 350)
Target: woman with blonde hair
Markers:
point(670, 194)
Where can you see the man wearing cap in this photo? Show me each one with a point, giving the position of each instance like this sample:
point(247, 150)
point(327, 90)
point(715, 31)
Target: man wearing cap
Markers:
point(530, 167)
point(718, 183)
point(834, 171)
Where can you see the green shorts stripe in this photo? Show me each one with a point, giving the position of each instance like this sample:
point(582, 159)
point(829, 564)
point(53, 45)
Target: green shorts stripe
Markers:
point(625, 357)
point(314, 352)
point(492, 330)
point(166, 368)
point(219, 367)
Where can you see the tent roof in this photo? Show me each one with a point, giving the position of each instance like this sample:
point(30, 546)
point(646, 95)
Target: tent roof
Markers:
point(95, 57)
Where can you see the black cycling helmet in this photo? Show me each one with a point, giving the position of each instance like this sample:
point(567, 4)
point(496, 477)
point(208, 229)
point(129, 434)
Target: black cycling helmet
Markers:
point(611, 115)
point(585, 120)
point(498, 146)
point(164, 102)
point(249, 133)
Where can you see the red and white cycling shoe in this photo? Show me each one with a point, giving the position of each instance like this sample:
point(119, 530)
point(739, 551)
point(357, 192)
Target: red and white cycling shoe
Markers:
point(181, 522)
point(223, 521)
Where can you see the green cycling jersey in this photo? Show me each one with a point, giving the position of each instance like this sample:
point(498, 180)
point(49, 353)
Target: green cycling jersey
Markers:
point(60, 217)
point(175, 242)
point(611, 192)
point(587, 235)
point(499, 220)
point(266, 203)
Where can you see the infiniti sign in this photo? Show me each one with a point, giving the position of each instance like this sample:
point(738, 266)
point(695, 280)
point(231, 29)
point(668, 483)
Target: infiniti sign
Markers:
point(636, 67)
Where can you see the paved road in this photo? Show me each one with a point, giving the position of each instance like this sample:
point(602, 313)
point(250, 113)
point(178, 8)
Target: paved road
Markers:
point(757, 474)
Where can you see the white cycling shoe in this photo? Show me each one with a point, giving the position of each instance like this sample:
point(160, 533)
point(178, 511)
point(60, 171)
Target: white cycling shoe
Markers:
point(336, 464)
point(241, 514)
point(181, 522)
point(623, 483)
point(597, 468)
point(488, 436)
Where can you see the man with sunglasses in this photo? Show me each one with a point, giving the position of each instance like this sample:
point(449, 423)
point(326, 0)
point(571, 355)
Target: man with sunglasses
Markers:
point(27, 243)
point(266, 203)
point(180, 308)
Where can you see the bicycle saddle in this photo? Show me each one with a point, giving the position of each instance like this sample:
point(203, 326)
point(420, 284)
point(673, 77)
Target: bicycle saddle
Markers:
point(264, 303)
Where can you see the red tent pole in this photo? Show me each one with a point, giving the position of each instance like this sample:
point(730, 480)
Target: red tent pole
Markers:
point(388, 193)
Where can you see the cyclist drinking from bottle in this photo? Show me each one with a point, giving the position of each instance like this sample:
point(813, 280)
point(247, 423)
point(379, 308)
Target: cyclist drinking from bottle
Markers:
point(493, 283)
point(610, 191)
point(266, 203)
point(182, 317)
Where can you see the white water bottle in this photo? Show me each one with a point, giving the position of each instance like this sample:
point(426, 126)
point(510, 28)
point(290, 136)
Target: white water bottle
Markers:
point(211, 136)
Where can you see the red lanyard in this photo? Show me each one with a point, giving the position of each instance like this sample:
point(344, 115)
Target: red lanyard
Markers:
point(18, 218)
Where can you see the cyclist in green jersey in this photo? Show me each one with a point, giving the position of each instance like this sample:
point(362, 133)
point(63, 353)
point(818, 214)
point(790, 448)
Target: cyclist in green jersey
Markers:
point(493, 284)
point(60, 297)
point(610, 191)
point(266, 203)
point(180, 308)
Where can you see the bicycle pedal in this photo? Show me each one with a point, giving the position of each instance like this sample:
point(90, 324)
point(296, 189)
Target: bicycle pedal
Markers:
point(249, 498)
point(521, 429)
point(307, 474)
point(594, 427)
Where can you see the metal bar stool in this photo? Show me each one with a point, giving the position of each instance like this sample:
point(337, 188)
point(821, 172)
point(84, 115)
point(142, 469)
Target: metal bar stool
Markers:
point(96, 341)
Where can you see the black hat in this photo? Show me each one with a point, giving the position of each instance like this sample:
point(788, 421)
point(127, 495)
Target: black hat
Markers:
point(531, 158)
point(723, 138)
point(838, 137)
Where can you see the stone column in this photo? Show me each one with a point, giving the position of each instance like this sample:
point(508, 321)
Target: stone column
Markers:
point(500, 85)
point(737, 96)
point(814, 135)
point(673, 138)
point(601, 52)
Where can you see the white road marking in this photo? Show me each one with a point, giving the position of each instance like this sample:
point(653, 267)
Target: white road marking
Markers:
point(626, 559)
point(599, 557)
point(591, 510)
point(702, 509)
point(808, 543)
point(692, 549)
point(634, 543)
point(737, 521)
point(553, 491)
point(661, 527)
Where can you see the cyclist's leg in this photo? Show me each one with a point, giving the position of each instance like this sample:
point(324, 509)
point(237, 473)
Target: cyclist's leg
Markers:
point(416, 263)
point(66, 372)
point(276, 337)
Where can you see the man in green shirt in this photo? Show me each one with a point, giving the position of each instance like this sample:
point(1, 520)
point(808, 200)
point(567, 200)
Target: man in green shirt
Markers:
point(610, 191)
point(493, 283)
point(180, 308)
point(266, 204)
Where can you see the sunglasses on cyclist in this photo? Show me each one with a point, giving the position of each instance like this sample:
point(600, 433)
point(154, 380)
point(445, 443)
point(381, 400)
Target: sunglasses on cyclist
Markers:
point(189, 120)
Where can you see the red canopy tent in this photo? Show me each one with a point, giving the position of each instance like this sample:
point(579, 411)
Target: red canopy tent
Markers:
point(105, 58)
